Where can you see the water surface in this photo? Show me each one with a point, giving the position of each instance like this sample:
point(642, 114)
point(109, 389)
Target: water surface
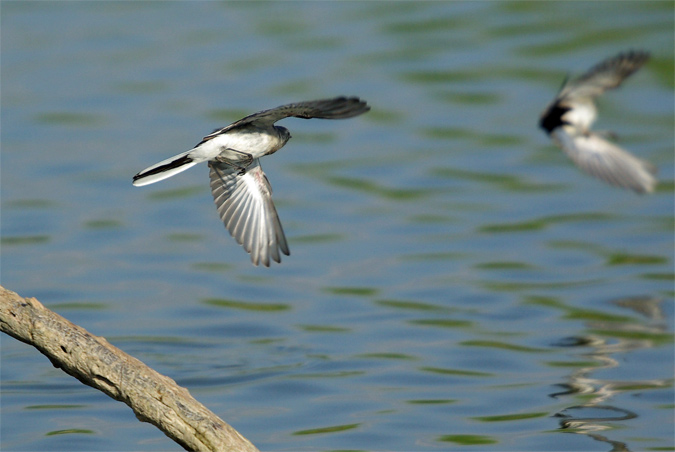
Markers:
point(454, 282)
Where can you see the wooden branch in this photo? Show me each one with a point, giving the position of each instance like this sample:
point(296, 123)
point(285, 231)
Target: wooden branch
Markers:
point(153, 397)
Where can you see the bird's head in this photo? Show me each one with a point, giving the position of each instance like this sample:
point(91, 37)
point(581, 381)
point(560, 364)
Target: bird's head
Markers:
point(284, 134)
point(552, 118)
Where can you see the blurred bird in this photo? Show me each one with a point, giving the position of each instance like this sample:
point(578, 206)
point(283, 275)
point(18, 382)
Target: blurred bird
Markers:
point(240, 188)
point(567, 120)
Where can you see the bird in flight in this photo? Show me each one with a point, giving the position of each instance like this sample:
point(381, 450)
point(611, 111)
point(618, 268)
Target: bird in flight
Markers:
point(567, 120)
point(240, 188)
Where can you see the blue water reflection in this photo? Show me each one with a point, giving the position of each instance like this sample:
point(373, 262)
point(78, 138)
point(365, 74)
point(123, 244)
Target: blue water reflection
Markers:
point(454, 281)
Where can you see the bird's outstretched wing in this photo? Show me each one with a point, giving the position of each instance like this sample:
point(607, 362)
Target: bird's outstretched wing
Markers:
point(605, 75)
point(607, 161)
point(244, 203)
point(336, 108)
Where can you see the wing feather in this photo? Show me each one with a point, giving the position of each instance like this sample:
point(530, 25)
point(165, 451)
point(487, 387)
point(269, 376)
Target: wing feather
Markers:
point(605, 75)
point(245, 206)
point(336, 108)
point(604, 160)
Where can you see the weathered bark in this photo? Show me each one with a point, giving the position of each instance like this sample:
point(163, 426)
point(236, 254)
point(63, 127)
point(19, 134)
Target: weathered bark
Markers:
point(153, 397)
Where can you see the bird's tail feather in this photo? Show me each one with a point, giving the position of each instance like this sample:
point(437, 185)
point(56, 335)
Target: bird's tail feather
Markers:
point(164, 169)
